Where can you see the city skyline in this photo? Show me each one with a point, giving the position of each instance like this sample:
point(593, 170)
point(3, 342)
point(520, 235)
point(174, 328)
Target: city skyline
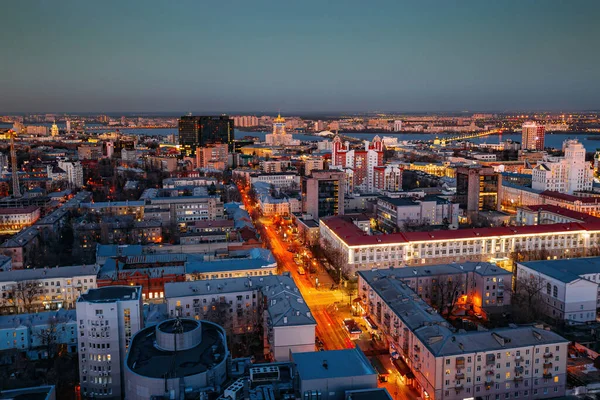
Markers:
point(300, 58)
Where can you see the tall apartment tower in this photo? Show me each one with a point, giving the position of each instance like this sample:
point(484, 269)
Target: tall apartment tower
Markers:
point(533, 136)
point(199, 131)
point(397, 126)
point(108, 317)
point(323, 193)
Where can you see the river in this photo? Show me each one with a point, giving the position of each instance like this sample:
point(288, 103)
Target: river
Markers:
point(554, 140)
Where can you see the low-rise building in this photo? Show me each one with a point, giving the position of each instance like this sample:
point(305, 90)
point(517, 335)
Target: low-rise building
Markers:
point(287, 321)
point(394, 213)
point(14, 219)
point(328, 375)
point(238, 264)
point(21, 247)
point(568, 289)
point(38, 289)
point(37, 393)
point(28, 334)
point(478, 286)
point(550, 214)
point(520, 362)
point(363, 251)
point(278, 180)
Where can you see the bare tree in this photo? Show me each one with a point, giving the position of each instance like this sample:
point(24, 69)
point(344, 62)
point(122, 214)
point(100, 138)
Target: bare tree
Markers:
point(48, 336)
point(445, 293)
point(25, 294)
point(526, 300)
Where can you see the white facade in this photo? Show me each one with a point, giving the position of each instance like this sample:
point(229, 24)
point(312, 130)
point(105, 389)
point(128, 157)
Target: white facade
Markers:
point(364, 252)
point(569, 296)
point(287, 320)
point(107, 318)
point(280, 137)
point(397, 126)
point(567, 174)
point(282, 180)
point(74, 172)
point(59, 287)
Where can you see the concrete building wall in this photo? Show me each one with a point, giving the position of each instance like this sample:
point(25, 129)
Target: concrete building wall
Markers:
point(335, 388)
point(298, 339)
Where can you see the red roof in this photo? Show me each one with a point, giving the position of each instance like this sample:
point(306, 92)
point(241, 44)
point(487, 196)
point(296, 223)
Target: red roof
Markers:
point(353, 236)
point(492, 232)
point(19, 210)
point(563, 211)
point(570, 197)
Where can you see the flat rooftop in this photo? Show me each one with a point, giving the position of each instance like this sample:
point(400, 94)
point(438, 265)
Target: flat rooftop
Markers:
point(332, 364)
point(112, 293)
point(145, 359)
point(479, 268)
point(33, 393)
point(368, 394)
point(567, 270)
point(75, 271)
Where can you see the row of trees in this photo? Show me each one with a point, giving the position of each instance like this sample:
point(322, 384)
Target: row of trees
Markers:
point(22, 296)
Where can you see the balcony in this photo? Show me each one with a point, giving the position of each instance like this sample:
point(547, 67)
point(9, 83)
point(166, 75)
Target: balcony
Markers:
point(416, 357)
point(548, 355)
point(459, 387)
point(459, 376)
point(547, 375)
point(519, 358)
point(518, 378)
point(547, 365)
point(460, 362)
point(417, 349)
point(489, 373)
point(519, 369)
point(490, 359)
point(488, 385)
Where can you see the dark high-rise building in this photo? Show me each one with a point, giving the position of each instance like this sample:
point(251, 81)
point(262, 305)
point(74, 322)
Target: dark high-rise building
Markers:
point(198, 131)
point(323, 193)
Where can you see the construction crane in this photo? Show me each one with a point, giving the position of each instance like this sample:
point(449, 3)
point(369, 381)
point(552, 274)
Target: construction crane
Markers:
point(13, 158)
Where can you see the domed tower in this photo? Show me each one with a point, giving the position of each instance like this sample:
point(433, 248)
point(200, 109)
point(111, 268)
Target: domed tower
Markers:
point(279, 125)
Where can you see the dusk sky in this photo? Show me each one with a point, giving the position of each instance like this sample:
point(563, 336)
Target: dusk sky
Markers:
point(299, 56)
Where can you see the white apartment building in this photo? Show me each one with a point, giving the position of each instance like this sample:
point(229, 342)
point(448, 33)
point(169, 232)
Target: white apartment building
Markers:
point(107, 318)
point(364, 252)
point(57, 287)
point(569, 289)
point(287, 321)
point(74, 171)
point(397, 126)
point(392, 213)
point(567, 174)
point(13, 220)
point(278, 180)
point(513, 363)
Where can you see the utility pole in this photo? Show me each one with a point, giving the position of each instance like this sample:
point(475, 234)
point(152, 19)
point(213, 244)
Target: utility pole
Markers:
point(15, 172)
